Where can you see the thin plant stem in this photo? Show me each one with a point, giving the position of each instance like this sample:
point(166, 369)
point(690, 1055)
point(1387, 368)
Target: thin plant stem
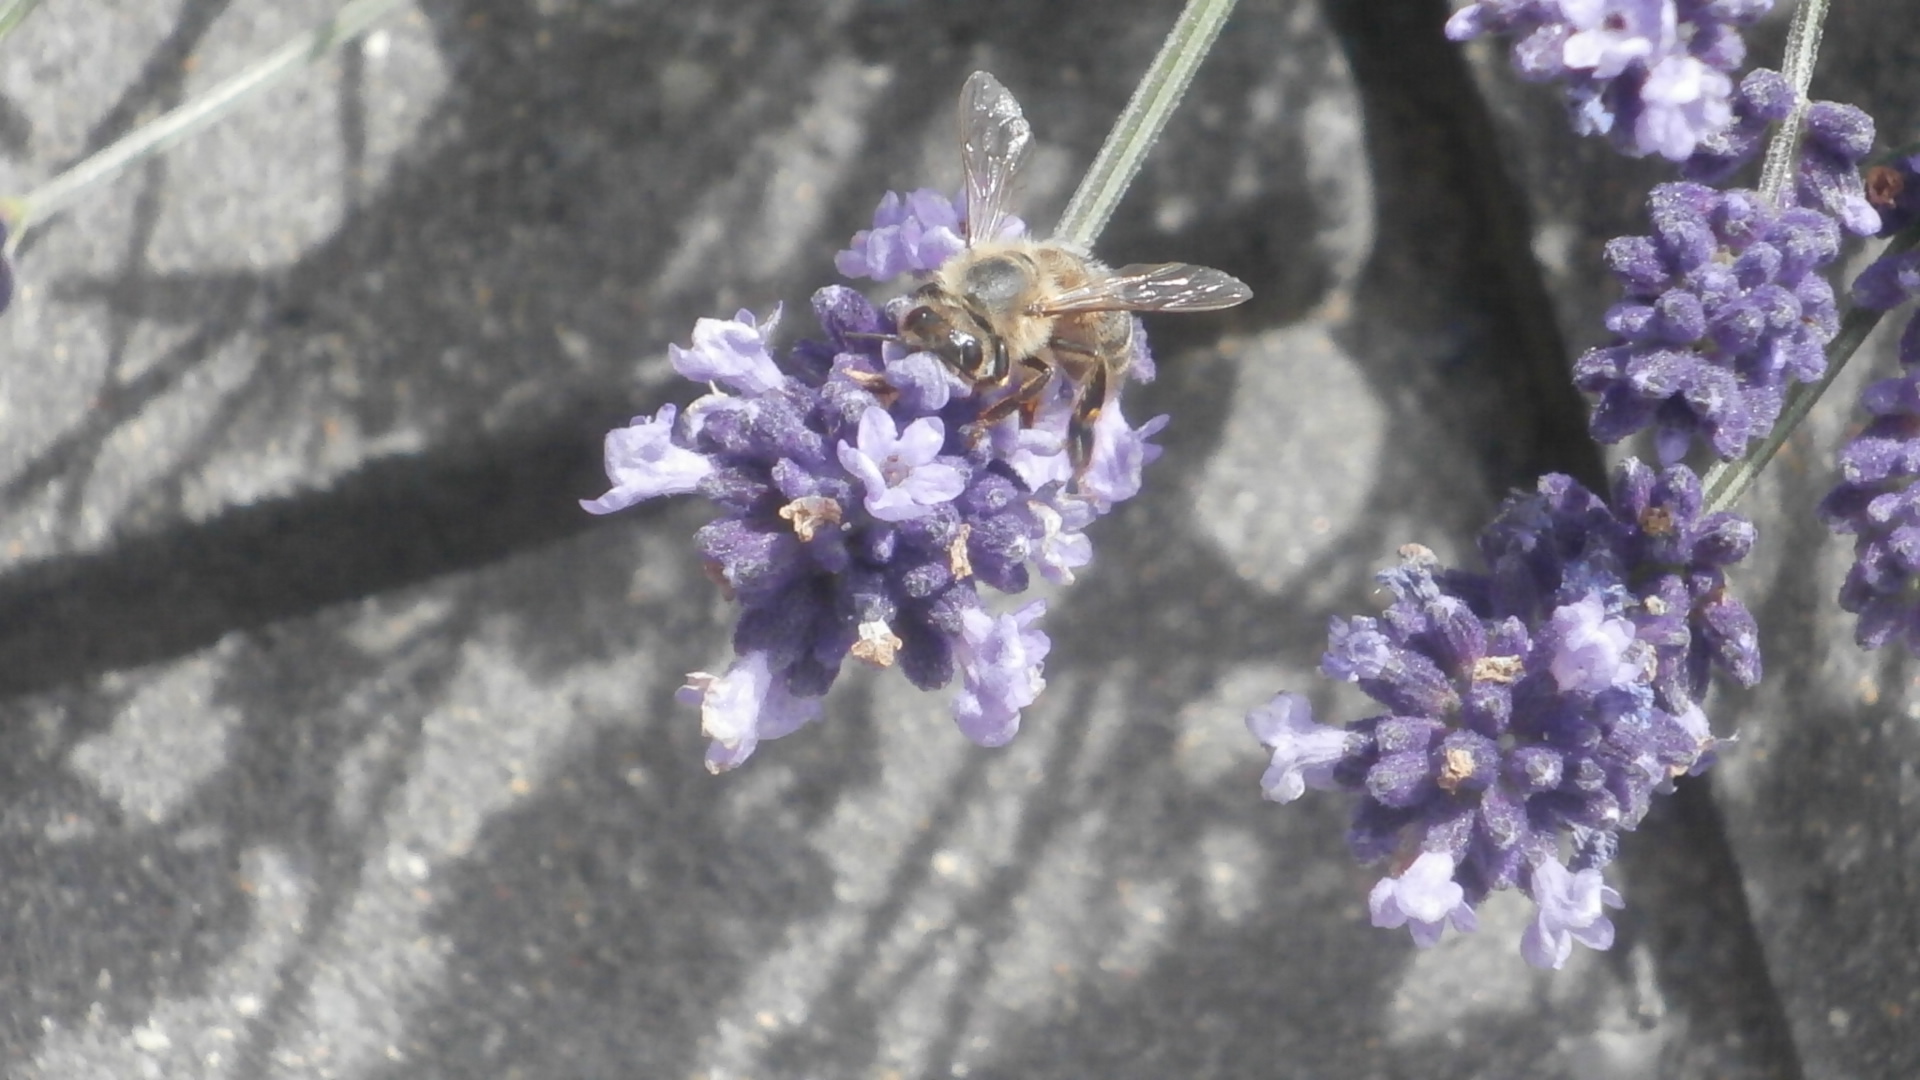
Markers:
point(1803, 47)
point(1140, 123)
point(12, 12)
point(151, 138)
point(1727, 481)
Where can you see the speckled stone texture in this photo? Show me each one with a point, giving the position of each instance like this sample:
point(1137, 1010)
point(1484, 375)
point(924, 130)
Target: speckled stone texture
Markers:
point(336, 741)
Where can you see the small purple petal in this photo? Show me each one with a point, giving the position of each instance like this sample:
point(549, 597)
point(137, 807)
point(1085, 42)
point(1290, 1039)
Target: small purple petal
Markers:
point(1572, 907)
point(1423, 899)
point(643, 463)
point(1001, 660)
point(747, 704)
point(1304, 752)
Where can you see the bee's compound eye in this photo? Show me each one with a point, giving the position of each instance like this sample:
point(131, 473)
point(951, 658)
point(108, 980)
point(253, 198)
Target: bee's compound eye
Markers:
point(971, 357)
point(915, 322)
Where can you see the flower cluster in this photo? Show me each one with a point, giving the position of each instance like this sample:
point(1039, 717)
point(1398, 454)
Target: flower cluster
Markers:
point(1544, 700)
point(1651, 75)
point(1724, 306)
point(861, 507)
point(1876, 500)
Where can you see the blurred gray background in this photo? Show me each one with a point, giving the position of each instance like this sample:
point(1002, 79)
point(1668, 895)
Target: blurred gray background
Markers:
point(335, 741)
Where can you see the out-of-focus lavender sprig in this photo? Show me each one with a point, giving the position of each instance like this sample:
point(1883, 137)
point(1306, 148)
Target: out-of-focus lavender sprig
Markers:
point(1725, 306)
point(1653, 76)
point(6, 270)
point(1876, 500)
point(1531, 711)
point(861, 509)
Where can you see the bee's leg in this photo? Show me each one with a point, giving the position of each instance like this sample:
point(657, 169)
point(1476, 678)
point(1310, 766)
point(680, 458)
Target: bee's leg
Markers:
point(1035, 375)
point(1086, 412)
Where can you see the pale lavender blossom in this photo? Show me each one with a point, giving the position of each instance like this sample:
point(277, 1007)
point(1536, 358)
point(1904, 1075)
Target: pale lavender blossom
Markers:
point(898, 468)
point(1651, 75)
point(1001, 660)
point(1591, 652)
point(911, 234)
point(732, 353)
point(744, 706)
point(1610, 35)
point(644, 463)
point(1572, 907)
point(1424, 898)
point(1304, 752)
point(1682, 102)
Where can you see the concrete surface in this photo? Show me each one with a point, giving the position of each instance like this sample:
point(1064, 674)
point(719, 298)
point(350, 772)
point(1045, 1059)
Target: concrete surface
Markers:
point(337, 742)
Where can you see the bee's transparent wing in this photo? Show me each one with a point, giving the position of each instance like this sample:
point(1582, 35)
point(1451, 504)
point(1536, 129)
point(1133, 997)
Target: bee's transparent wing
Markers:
point(1153, 287)
point(994, 138)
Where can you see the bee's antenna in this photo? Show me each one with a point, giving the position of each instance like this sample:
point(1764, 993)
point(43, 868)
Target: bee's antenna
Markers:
point(864, 336)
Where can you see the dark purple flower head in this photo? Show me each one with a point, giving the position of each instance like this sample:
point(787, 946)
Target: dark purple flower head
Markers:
point(1651, 75)
point(1530, 708)
point(1893, 190)
point(1724, 307)
point(1876, 499)
point(861, 508)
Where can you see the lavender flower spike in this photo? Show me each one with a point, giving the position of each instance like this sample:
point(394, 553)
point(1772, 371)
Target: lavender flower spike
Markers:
point(1536, 706)
point(858, 519)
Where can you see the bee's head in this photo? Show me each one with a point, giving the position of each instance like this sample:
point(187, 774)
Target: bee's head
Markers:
point(940, 325)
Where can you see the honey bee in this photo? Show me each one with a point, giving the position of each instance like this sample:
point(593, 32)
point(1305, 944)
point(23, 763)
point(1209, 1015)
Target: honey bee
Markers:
point(1022, 312)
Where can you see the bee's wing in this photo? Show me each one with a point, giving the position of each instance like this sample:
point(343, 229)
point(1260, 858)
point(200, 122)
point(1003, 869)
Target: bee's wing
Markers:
point(994, 138)
point(1152, 287)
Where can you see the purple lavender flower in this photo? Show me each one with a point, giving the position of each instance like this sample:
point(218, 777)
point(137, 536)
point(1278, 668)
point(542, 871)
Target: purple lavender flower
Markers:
point(897, 468)
point(912, 234)
point(733, 354)
point(1876, 500)
point(644, 463)
point(1724, 308)
point(1572, 907)
point(1537, 705)
point(1000, 664)
point(860, 512)
point(1304, 753)
point(1651, 75)
point(1423, 899)
point(742, 707)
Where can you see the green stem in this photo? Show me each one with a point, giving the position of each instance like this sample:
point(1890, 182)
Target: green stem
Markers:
point(1803, 47)
point(151, 138)
point(1140, 123)
point(12, 11)
point(1726, 482)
